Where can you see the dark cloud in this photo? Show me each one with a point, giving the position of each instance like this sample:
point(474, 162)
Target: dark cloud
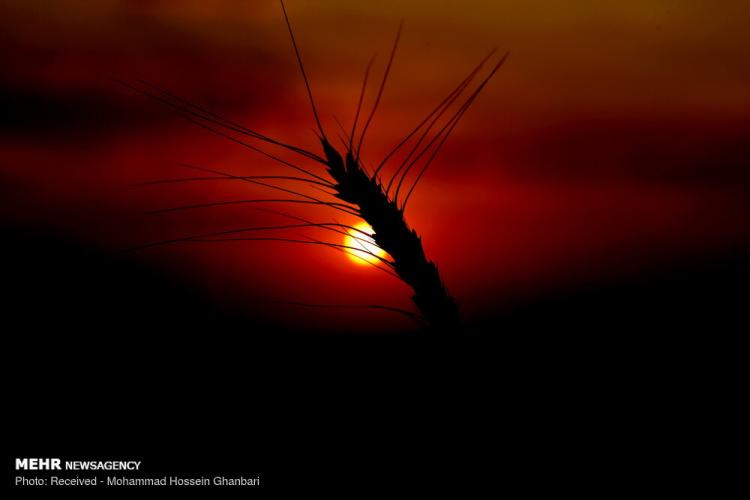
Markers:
point(64, 113)
point(675, 151)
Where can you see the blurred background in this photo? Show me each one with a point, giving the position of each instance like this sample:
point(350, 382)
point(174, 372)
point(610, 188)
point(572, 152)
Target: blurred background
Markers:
point(611, 152)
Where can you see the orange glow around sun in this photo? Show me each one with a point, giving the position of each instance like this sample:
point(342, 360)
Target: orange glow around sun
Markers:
point(359, 237)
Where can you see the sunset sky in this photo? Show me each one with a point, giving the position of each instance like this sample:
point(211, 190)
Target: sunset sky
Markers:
point(615, 140)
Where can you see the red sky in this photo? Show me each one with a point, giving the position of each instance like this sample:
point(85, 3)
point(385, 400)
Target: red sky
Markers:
point(614, 140)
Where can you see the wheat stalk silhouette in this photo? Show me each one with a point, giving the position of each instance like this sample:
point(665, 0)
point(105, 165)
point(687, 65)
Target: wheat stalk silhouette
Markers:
point(377, 198)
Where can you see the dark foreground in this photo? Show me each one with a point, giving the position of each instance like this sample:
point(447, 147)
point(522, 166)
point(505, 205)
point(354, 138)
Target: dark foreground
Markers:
point(593, 390)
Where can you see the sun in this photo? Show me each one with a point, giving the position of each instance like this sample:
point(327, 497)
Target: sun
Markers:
point(359, 237)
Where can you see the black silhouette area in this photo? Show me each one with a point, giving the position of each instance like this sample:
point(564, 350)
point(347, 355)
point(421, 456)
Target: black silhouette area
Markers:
point(354, 190)
point(110, 358)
